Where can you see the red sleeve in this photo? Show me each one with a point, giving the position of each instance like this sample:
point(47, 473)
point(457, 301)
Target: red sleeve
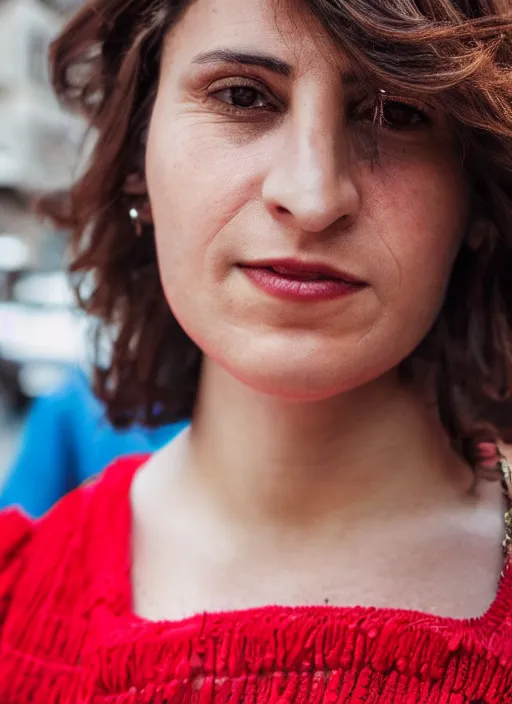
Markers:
point(15, 533)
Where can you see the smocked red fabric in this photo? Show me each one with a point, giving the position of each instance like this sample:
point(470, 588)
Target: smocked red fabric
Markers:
point(68, 634)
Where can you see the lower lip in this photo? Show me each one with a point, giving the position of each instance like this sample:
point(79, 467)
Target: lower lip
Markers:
point(298, 289)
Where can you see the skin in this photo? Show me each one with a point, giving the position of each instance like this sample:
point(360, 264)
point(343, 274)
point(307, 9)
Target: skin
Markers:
point(306, 452)
point(294, 182)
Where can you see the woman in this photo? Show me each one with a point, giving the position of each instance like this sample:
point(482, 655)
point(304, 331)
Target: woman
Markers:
point(325, 188)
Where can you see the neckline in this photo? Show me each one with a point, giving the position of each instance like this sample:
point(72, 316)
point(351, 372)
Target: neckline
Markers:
point(115, 566)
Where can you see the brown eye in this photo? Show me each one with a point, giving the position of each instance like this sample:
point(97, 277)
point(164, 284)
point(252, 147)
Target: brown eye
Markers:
point(243, 97)
point(397, 115)
point(391, 114)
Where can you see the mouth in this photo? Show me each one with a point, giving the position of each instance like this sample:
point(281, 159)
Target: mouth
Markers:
point(297, 280)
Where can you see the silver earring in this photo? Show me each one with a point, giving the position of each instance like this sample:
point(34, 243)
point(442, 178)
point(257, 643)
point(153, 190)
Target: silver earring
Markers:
point(135, 218)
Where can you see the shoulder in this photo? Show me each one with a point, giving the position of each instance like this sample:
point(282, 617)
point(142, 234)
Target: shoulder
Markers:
point(47, 559)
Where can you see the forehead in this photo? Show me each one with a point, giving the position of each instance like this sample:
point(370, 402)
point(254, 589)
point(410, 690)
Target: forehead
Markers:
point(286, 27)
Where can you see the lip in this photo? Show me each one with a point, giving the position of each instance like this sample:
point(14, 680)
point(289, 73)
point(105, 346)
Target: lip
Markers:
point(293, 279)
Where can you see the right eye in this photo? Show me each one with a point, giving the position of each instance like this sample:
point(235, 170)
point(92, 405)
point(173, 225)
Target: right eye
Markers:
point(243, 97)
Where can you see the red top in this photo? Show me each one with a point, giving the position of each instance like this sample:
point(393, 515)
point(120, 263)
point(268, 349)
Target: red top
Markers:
point(68, 634)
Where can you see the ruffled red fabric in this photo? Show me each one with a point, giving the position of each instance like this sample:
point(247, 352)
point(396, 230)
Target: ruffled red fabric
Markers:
point(68, 634)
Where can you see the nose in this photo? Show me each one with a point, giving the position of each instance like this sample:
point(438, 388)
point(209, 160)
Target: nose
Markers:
point(309, 185)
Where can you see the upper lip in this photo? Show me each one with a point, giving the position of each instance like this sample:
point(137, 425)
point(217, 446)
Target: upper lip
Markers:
point(297, 266)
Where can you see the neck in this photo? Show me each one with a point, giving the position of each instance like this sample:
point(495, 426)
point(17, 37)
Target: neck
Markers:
point(288, 462)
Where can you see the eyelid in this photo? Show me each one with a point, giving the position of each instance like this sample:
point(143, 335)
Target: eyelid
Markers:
point(241, 81)
point(228, 81)
point(410, 102)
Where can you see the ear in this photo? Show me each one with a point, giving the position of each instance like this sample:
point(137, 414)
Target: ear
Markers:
point(136, 192)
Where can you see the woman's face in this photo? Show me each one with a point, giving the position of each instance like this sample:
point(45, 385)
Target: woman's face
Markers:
point(305, 227)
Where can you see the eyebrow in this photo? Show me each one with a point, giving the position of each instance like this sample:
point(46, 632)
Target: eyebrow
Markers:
point(243, 58)
point(266, 61)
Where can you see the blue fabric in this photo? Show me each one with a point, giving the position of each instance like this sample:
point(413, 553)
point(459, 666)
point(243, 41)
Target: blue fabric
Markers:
point(67, 440)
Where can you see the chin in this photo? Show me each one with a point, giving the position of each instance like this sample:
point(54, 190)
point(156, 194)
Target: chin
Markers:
point(295, 377)
point(298, 365)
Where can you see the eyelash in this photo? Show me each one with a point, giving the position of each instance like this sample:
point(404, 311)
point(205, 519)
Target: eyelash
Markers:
point(273, 103)
point(356, 111)
point(378, 105)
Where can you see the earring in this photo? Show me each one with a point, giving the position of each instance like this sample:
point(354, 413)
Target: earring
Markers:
point(134, 216)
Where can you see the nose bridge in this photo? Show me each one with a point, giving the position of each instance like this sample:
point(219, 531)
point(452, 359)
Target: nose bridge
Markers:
point(311, 177)
point(320, 158)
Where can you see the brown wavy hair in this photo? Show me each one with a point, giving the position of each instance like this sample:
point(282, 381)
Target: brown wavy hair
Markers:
point(455, 53)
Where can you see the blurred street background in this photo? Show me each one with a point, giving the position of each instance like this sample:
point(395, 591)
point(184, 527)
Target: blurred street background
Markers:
point(41, 335)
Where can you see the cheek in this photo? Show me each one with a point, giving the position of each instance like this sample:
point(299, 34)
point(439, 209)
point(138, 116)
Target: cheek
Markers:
point(426, 207)
point(197, 185)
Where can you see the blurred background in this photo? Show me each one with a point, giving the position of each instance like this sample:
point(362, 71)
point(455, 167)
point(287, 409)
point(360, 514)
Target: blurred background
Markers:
point(53, 432)
point(40, 332)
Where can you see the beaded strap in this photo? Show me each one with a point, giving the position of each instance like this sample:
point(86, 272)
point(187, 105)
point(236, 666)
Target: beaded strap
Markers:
point(506, 482)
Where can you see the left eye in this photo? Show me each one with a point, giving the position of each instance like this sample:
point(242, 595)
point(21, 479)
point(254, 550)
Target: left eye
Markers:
point(390, 114)
point(243, 97)
point(397, 115)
